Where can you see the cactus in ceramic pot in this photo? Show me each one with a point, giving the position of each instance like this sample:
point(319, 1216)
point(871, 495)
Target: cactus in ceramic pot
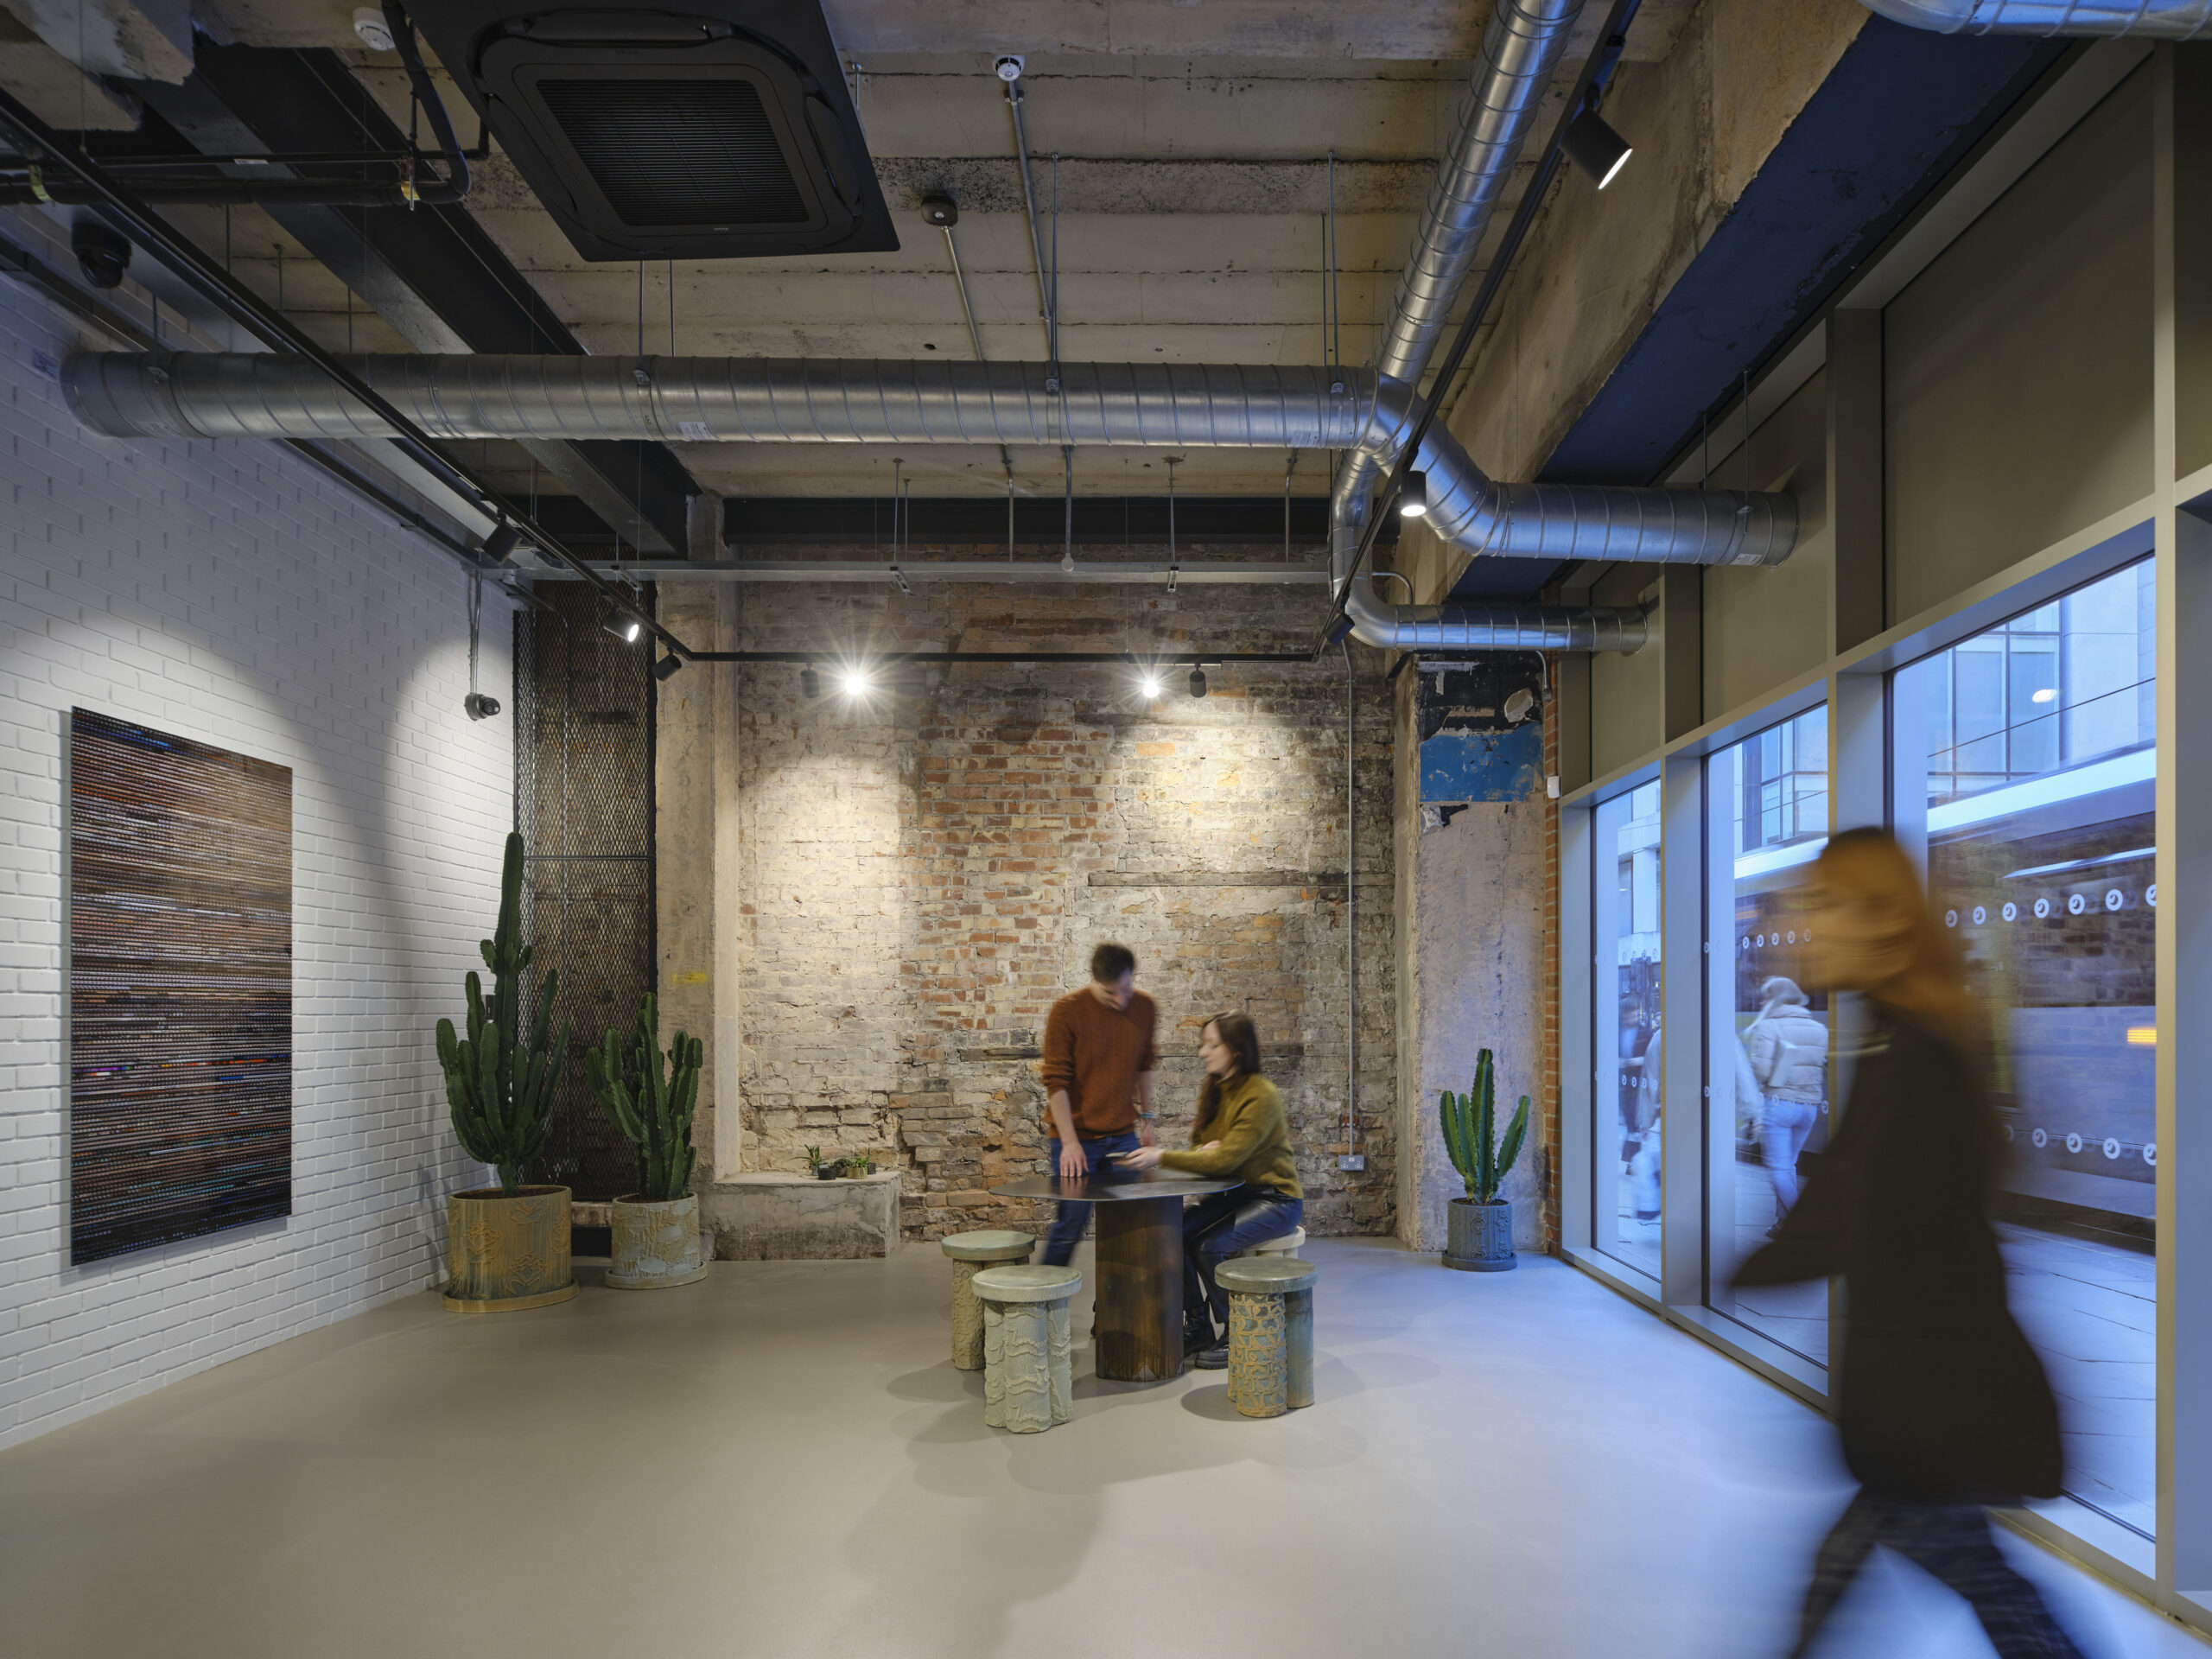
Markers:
point(651, 1096)
point(499, 1085)
point(1469, 1121)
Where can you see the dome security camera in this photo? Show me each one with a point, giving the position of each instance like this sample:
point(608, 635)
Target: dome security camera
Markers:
point(102, 254)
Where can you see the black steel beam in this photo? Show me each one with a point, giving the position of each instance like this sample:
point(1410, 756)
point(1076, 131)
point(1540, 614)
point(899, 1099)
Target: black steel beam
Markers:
point(1038, 521)
point(430, 271)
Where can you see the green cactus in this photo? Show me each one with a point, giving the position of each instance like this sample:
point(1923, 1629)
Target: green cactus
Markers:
point(652, 1105)
point(500, 1088)
point(1468, 1121)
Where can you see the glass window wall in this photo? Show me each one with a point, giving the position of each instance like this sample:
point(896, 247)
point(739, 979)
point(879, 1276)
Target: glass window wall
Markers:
point(1767, 1048)
point(1629, 1037)
point(2026, 776)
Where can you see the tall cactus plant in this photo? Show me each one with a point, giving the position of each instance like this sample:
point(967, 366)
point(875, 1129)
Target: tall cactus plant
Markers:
point(500, 1087)
point(1468, 1121)
point(650, 1106)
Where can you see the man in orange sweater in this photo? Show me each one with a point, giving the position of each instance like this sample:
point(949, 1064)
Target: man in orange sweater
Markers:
point(1098, 1075)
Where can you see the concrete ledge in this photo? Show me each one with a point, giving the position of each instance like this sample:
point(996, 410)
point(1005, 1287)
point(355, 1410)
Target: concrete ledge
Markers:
point(784, 1218)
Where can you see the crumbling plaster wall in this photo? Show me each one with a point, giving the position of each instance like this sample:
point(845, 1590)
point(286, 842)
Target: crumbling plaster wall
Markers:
point(911, 883)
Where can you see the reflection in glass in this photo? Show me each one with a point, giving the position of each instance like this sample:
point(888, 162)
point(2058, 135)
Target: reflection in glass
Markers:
point(1625, 905)
point(2035, 741)
point(1767, 1052)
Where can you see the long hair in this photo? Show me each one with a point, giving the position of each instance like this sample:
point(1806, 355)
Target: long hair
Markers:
point(1242, 1038)
point(1931, 990)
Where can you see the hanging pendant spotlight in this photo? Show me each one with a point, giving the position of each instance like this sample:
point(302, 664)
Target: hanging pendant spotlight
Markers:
point(623, 626)
point(1593, 146)
point(809, 683)
point(500, 545)
point(665, 669)
point(1198, 682)
point(1413, 498)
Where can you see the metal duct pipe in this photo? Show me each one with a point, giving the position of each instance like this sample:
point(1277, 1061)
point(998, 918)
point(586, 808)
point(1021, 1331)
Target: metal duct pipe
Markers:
point(1486, 627)
point(2162, 20)
point(1520, 50)
point(806, 400)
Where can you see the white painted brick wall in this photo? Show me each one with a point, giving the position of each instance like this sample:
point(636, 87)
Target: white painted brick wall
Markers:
point(230, 594)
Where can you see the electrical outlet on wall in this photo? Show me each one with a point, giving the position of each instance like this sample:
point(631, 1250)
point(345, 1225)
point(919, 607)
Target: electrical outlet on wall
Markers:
point(1351, 1160)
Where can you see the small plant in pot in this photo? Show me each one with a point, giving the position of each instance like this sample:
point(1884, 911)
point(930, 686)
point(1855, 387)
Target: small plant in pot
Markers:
point(857, 1163)
point(507, 1246)
point(651, 1096)
point(819, 1170)
point(1481, 1237)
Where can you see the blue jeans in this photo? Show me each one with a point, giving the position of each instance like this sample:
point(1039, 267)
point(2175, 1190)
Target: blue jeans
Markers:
point(1222, 1224)
point(1068, 1224)
point(1782, 1129)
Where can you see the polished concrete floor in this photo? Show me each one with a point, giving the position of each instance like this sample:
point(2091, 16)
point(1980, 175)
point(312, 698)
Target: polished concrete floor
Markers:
point(781, 1461)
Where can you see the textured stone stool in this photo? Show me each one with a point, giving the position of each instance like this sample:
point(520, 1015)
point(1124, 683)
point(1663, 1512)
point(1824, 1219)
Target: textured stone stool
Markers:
point(1289, 1244)
point(1025, 1381)
point(972, 1253)
point(1270, 1332)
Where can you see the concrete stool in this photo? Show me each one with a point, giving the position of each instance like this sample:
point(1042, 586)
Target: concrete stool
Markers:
point(1270, 1332)
point(972, 1253)
point(1025, 1378)
point(1289, 1244)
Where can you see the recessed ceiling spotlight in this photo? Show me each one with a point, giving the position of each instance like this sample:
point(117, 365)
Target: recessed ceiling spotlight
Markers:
point(1412, 498)
point(1594, 147)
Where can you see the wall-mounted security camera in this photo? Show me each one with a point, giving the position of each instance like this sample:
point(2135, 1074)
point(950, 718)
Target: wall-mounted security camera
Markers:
point(1009, 66)
point(481, 707)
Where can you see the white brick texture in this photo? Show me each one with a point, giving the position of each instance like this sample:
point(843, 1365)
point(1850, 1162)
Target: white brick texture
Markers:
point(230, 594)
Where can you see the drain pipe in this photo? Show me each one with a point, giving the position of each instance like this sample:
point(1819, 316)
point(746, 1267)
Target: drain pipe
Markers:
point(2162, 20)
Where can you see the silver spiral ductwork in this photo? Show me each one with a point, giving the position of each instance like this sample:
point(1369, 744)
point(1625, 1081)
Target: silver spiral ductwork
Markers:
point(2159, 20)
point(1520, 50)
point(1493, 626)
point(811, 400)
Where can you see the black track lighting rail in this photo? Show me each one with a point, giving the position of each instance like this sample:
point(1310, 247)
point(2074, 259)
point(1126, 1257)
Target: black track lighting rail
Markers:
point(1126, 659)
point(1596, 69)
point(137, 221)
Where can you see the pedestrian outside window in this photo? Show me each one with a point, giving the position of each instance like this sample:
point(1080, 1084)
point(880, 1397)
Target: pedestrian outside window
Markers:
point(1630, 1039)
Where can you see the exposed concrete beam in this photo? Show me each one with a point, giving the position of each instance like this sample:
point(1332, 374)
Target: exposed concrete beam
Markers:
point(60, 93)
point(139, 40)
point(1150, 572)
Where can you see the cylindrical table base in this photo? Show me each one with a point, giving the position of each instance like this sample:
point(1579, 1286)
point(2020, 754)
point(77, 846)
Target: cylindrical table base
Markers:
point(1140, 1290)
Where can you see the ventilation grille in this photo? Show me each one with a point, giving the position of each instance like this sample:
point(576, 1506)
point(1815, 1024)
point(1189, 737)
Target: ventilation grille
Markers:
point(678, 152)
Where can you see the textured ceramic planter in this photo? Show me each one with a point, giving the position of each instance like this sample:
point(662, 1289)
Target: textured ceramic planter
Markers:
point(507, 1253)
point(1481, 1236)
point(656, 1245)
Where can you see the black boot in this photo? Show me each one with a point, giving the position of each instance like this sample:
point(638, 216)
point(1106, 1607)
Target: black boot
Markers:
point(1197, 1331)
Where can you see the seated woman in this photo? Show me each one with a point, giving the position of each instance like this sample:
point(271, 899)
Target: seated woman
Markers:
point(1240, 1135)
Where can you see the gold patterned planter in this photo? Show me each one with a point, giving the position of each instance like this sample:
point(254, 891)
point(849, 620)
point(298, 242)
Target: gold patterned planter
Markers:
point(655, 1243)
point(507, 1253)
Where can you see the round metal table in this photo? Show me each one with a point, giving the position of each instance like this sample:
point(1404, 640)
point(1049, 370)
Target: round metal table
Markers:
point(1139, 1294)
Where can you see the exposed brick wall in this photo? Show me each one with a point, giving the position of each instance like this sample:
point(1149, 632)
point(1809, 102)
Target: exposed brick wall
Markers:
point(921, 876)
point(230, 594)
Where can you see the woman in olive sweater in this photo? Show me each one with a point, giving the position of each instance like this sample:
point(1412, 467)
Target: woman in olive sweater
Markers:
point(1240, 1135)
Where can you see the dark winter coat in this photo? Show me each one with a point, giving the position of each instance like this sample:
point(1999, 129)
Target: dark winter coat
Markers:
point(1940, 1398)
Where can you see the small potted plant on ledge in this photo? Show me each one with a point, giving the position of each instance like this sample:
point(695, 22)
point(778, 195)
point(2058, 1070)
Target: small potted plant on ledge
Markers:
point(1481, 1238)
point(651, 1096)
point(818, 1168)
point(507, 1246)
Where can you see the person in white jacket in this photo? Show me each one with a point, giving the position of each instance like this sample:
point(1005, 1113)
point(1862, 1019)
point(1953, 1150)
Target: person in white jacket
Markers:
point(1789, 1053)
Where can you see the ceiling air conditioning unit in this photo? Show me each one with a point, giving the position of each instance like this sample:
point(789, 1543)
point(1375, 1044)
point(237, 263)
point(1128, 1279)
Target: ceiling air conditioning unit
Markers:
point(711, 130)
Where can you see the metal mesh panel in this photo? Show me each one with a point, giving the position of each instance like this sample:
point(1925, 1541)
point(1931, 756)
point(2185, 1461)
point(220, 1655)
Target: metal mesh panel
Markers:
point(584, 803)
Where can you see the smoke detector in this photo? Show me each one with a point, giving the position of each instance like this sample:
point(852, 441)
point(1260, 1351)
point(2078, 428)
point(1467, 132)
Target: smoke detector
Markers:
point(1009, 66)
point(369, 23)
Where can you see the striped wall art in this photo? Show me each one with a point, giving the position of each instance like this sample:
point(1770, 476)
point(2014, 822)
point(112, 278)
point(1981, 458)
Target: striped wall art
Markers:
point(180, 988)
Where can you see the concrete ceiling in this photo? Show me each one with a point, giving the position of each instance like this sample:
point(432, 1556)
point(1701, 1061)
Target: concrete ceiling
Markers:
point(1193, 181)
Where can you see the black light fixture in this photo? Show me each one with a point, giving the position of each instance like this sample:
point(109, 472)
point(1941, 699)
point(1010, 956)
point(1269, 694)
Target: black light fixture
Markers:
point(500, 545)
point(1413, 496)
point(1198, 682)
point(1593, 146)
point(626, 628)
point(479, 706)
point(809, 683)
point(665, 669)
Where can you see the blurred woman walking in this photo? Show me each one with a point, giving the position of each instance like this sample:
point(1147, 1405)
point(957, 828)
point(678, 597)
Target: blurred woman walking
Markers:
point(1943, 1406)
